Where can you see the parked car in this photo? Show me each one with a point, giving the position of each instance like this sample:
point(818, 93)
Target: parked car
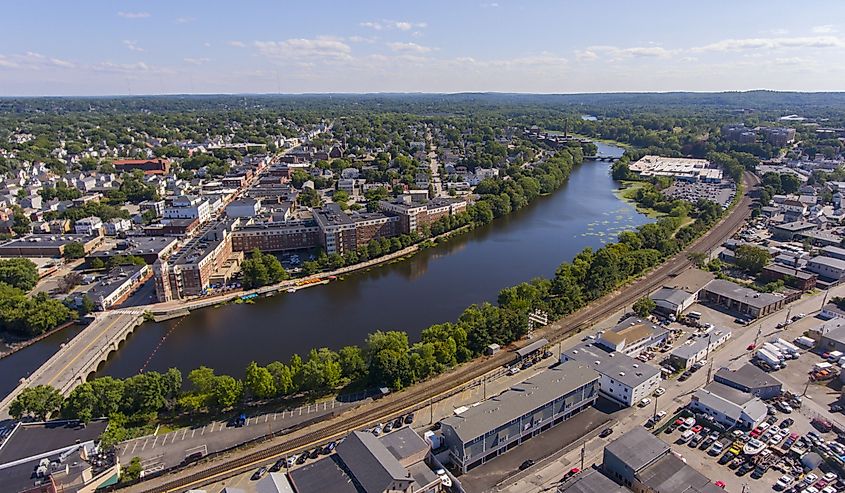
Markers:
point(278, 465)
point(716, 449)
point(259, 473)
point(659, 391)
point(605, 432)
point(526, 464)
point(409, 418)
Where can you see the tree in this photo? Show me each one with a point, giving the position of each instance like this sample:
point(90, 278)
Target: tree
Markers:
point(19, 273)
point(80, 403)
point(259, 381)
point(322, 371)
point(226, 392)
point(73, 250)
point(261, 269)
point(752, 258)
point(37, 402)
point(644, 306)
point(697, 258)
point(352, 363)
point(69, 281)
point(132, 471)
point(282, 377)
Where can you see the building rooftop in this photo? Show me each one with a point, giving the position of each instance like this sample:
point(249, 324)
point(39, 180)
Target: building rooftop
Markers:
point(404, 443)
point(138, 245)
point(637, 448)
point(748, 296)
point(322, 476)
point(630, 330)
point(33, 439)
point(729, 401)
point(590, 481)
point(833, 250)
point(796, 226)
point(691, 348)
point(670, 474)
point(619, 366)
point(831, 262)
point(46, 240)
point(331, 215)
point(672, 295)
point(520, 399)
point(789, 271)
point(748, 376)
point(372, 465)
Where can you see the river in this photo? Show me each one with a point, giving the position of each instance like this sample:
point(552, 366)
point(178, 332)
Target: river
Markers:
point(434, 286)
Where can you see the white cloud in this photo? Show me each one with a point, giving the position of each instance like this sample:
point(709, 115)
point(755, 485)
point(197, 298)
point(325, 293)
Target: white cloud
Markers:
point(302, 48)
point(491, 5)
point(409, 48)
point(207, 44)
point(825, 29)
point(615, 53)
point(33, 61)
point(121, 67)
point(773, 43)
point(134, 15)
point(185, 20)
point(385, 25)
point(361, 39)
point(132, 45)
point(196, 61)
point(236, 44)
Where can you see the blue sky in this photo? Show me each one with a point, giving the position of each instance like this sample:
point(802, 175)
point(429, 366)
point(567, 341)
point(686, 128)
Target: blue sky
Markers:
point(97, 47)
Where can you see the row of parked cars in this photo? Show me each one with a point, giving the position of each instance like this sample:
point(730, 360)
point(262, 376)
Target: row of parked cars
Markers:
point(328, 448)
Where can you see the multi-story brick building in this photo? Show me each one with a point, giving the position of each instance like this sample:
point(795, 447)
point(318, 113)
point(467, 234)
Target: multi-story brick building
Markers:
point(276, 237)
point(338, 229)
point(412, 215)
point(374, 226)
point(188, 272)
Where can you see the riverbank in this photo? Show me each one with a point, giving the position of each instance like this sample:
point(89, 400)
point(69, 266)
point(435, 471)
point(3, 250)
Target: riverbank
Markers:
point(22, 344)
point(628, 192)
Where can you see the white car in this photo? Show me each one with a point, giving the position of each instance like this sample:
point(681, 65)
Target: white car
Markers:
point(291, 460)
point(830, 477)
point(660, 391)
point(645, 402)
point(784, 482)
point(661, 415)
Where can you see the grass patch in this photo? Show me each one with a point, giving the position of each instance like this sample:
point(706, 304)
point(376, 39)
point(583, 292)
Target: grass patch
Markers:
point(627, 193)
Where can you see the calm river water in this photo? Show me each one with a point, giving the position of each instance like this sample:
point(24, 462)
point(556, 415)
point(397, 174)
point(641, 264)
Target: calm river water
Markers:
point(434, 286)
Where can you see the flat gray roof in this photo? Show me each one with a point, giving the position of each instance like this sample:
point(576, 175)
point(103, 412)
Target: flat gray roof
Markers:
point(619, 366)
point(637, 448)
point(404, 443)
point(591, 481)
point(834, 263)
point(672, 295)
point(322, 476)
point(672, 475)
point(748, 376)
point(686, 351)
point(748, 296)
point(520, 399)
point(31, 439)
point(534, 346)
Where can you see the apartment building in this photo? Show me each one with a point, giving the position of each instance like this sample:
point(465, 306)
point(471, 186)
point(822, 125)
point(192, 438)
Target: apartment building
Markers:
point(276, 236)
point(622, 378)
point(189, 207)
point(414, 215)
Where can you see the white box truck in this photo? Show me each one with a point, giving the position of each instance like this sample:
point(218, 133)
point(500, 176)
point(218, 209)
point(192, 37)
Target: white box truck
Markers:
point(769, 358)
point(805, 341)
point(768, 346)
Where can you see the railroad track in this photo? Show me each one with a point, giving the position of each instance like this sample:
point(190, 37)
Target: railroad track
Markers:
point(456, 381)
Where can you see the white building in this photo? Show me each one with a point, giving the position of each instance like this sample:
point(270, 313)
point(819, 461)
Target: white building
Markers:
point(118, 225)
point(695, 350)
point(728, 406)
point(89, 226)
point(827, 267)
point(248, 207)
point(622, 378)
point(188, 207)
point(632, 336)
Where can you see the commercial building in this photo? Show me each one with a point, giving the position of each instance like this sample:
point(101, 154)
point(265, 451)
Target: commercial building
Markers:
point(833, 252)
point(632, 336)
point(157, 206)
point(45, 245)
point(338, 229)
point(56, 456)
point(792, 277)
point(778, 136)
point(728, 406)
point(646, 464)
point(529, 408)
point(590, 481)
point(789, 231)
point(623, 379)
point(116, 286)
point(683, 169)
point(89, 226)
point(276, 236)
point(189, 207)
point(750, 379)
point(672, 301)
point(392, 463)
point(158, 166)
point(739, 299)
point(149, 248)
point(738, 132)
point(244, 208)
point(414, 215)
point(832, 336)
point(695, 350)
point(827, 268)
point(188, 272)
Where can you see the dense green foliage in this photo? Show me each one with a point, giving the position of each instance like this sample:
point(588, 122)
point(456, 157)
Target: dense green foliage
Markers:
point(30, 316)
point(261, 269)
point(752, 258)
point(19, 273)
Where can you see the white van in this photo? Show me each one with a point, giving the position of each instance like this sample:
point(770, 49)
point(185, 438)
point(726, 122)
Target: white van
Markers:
point(694, 315)
point(685, 436)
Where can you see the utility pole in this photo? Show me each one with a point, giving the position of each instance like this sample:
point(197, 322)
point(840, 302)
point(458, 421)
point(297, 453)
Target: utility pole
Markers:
point(709, 372)
point(583, 451)
point(484, 383)
point(806, 386)
point(824, 300)
point(431, 411)
point(654, 416)
point(788, 313)
point(759, 333)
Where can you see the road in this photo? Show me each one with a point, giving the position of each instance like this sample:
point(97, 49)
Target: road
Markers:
point(452, 381)
point(80, 356)
point(436, 182)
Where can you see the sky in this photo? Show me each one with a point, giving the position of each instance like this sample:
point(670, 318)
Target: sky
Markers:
point(119, 47)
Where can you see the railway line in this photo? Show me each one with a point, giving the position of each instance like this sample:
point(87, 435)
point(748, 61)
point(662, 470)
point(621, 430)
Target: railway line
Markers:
point(452, 382)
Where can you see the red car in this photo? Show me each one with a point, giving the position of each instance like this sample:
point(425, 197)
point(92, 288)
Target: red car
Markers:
point(756, 432)
point(696, 428)
point(720, 484)
point(751, 347)
point(679, 422)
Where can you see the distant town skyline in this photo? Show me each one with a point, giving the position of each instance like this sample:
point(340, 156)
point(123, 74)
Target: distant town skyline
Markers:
point(137, 47)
